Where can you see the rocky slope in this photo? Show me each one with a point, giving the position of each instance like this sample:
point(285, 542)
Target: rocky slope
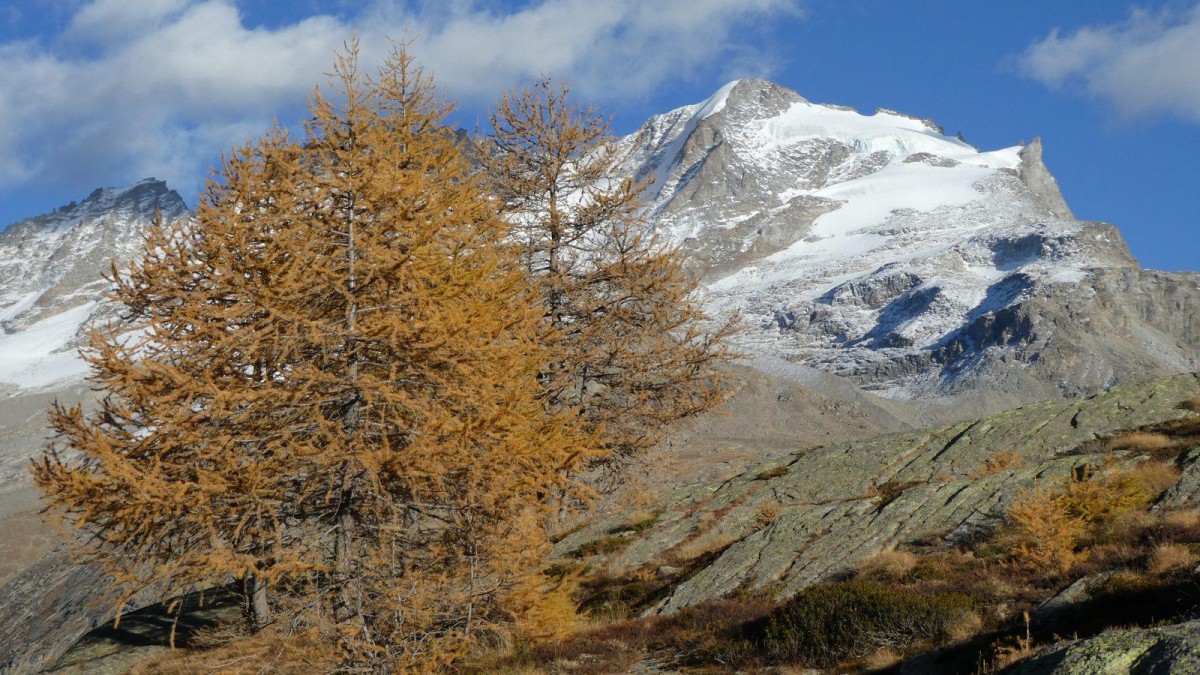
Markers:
point(877, 248)
point(1168, 650)
point(831, 507)
point(783, 525)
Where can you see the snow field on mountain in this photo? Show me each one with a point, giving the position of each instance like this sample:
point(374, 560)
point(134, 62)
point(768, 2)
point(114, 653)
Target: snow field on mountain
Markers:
point(41, 355)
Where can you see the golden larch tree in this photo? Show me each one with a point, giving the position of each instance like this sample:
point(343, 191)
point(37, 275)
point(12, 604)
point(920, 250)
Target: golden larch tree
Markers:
point(633, 348)
point(325, 387)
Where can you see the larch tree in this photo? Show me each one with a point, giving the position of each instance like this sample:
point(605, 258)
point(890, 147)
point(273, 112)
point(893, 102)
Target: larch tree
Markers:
point(633, 348)
point(325, 388)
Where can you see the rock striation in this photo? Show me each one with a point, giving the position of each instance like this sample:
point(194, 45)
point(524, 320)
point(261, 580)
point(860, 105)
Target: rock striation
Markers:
point(1167, 650)
point(811, 517)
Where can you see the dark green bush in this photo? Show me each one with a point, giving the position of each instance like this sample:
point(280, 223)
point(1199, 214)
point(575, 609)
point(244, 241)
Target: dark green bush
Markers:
point(829, 623)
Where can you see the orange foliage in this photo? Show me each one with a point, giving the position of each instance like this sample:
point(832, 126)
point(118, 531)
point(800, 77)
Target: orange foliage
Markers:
point(633, 351)
point(326, 386)
point(997, 462)
point(1049, 523)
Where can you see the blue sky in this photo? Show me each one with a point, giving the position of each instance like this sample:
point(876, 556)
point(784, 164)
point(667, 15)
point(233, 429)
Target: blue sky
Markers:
point(105, 92)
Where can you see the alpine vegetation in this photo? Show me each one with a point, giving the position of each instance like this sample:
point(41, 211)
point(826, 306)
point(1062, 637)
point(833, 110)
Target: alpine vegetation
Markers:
point(341, 390)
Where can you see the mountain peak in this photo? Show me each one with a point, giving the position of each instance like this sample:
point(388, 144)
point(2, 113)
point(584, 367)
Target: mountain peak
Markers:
point(752, 97)
point(131, 203)
point(148, 194)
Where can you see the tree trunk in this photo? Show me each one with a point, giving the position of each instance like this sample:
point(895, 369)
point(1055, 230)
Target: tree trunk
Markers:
point(258, 609)
point(347, 607)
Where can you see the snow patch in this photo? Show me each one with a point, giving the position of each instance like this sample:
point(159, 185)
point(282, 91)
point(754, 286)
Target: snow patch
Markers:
point(42, 355)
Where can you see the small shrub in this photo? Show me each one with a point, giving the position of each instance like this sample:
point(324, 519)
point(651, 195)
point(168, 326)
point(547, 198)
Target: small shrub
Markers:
point(774, 472)
point(561, 569)
point(1140, 441)
point(637, 524)
point(887, 566)
point(889, 491)
point(997, 462)
point(1168, 557)
point(829, 623)
point(1019, 649)
point(602, 546)
point(1097, 497)
point(1192, 404)
point(767, 513)
point(1044, 530)
point(1048, 525)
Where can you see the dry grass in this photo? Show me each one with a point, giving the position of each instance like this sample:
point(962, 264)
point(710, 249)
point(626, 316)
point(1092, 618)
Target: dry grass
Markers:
point(700, 547)
point(702, 632)
point(1019, 649)
point(603, 546)
point(767, 513)
point(1168, 557)
point(889, 491)
point(1156, 477)
point(881, 660)
point(638, 523)
point(1188, 520)
point(967, 626)
point(887, 566)
point(268, 652)
point(997, 462)
point(1140, 441)
point(774, 472)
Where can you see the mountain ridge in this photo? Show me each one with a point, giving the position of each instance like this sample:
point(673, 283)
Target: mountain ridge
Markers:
point(881, 250)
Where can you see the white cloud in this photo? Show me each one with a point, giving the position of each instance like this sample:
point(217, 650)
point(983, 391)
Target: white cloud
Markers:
point(161, 87)
point(1144, 66)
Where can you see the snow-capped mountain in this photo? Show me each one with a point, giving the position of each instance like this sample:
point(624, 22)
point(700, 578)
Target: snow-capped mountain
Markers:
point(874, 248)
point(880, 249)
point(51, 281)
point(52, 275)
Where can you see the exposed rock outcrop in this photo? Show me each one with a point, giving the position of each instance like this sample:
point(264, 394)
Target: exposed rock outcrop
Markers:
point(1040, 182)
point(1168, 650)
point(787, 524)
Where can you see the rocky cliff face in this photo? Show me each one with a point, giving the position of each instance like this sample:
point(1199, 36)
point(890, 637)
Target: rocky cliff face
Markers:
point(911, 263)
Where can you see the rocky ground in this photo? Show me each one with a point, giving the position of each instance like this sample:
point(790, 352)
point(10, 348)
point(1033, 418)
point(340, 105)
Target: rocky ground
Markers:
point(814, 515)
point(788, 523)
point(823, 514)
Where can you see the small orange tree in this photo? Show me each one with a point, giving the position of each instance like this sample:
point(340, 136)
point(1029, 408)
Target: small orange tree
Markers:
point(326, 387)
point(633, 349)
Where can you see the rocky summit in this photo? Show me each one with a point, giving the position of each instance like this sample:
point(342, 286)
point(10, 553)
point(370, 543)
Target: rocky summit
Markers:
point(877, 248)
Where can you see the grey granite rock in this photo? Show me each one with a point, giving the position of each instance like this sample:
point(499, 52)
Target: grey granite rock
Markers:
point(1168, 650)
point(835, 506)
